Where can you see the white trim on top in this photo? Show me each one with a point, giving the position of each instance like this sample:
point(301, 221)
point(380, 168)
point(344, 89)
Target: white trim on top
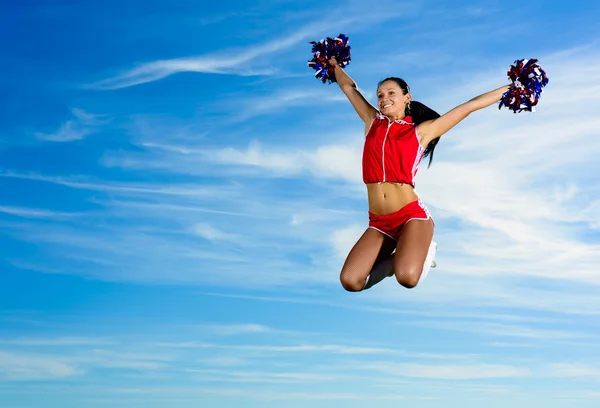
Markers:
point(380, 115)
point(417, 162)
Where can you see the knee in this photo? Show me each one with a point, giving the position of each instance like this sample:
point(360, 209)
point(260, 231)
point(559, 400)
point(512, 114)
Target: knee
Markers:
point(408, 277)
point(351, 284)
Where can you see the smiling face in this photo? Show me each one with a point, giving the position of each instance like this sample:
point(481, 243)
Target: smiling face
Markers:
point(392, 100)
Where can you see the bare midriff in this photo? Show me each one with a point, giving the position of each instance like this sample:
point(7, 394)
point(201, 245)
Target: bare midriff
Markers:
point(387, 198)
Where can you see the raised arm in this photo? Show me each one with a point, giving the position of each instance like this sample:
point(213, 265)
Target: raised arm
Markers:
point(432, 129)
point(365, 110)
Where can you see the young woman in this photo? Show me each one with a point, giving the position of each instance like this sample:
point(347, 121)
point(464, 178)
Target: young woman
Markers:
point(399, 133)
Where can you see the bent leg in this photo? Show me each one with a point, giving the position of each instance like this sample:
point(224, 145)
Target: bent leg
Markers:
point(371, 248)
point(411, 251)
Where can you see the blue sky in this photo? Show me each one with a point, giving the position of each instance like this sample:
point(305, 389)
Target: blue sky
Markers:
point(178, 193)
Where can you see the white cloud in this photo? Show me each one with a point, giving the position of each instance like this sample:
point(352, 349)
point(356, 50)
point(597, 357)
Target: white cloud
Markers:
point(52, 342)
point(231, 62)
point(344, 239)
point(163, 207)
point(32, 212)
point(243, 61)
point(283, 101)
point(126, 360)
point(89, 119)
point(68, 132)
point(331, 162)
point(238, 329)
point(82, 125)
point(303, 348)
point(212, 234)
point(383, 298)
point(502, 330)
point(246, 329)
point(20, 366)
point(85, 183)
point(224, 361)
point(450, 372)
point(280, 377)
point(193, 392)
point(75, 360)
point(570, 370)
point(256, 156)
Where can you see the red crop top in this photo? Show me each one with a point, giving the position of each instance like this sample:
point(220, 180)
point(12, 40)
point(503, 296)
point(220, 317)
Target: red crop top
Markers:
point(392, 152)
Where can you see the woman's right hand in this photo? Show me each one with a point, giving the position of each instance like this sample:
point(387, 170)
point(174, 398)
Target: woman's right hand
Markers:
point(333, 62)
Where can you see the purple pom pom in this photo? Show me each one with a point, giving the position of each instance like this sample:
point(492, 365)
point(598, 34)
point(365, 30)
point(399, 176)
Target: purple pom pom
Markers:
point(323, 51)
point(528, 80)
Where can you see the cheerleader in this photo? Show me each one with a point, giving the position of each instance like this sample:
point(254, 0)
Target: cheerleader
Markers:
point(399, 134)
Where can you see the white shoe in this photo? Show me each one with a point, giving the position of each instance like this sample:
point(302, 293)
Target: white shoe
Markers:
point(429, 260)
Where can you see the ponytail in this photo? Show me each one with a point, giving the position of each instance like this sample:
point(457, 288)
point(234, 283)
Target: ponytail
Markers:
point(421, 113)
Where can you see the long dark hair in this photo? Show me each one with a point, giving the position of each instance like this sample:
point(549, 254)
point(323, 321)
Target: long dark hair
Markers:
point(419, 114)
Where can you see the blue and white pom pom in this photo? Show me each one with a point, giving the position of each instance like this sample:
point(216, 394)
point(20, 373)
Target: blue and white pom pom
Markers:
point(326, 49)
point(528, 79)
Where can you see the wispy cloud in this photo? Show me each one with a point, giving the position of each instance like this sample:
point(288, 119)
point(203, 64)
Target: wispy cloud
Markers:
point(503, 330)
point(225, 361)
point(332, 161)
point(54, 342)
point(210, 233)
point(282, 101)
point(303, 348)
point(373, 304)
point(279, 377)
point(21, 366)
point(570, 370)
point(34, 212)
point(451, 372)
point(87, 183)
point(244, 61)
point(237, 329)
point(75, 359)
point(162, 207)
point(82, 125)
point(123, 360)
point(231, 62)
point(193, 392)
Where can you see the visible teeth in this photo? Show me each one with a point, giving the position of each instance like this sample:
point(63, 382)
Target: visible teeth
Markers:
point(387, 106)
